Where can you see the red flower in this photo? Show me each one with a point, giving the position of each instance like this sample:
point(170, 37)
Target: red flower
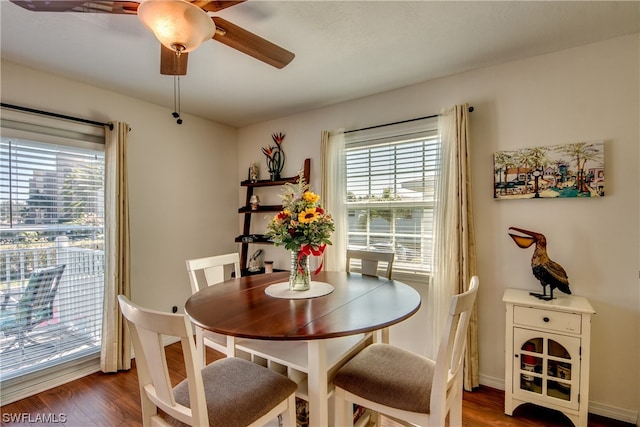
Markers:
point(278, 138)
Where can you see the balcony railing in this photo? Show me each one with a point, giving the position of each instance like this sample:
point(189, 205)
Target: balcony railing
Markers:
point(76, 327)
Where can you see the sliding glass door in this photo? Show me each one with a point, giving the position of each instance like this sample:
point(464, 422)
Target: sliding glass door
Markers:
point(51, 215)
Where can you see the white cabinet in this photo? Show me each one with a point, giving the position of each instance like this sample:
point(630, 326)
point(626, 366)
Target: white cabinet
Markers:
point(547, 353)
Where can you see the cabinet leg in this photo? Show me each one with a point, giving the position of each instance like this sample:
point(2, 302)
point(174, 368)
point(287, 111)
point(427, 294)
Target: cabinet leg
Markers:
point(508, 405)
point(579, 420)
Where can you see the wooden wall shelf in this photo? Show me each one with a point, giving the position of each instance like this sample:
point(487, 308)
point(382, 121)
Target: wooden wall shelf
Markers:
point(248, 212)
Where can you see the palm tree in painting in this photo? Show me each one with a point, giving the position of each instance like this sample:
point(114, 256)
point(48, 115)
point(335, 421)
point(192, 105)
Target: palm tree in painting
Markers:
point(539, 158)
point(532, 159)
point(582, 152)
point(525, 161)
point(501, 162)
point(540, 161)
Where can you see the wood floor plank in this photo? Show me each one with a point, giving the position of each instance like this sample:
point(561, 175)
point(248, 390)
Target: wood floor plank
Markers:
point(104, 400)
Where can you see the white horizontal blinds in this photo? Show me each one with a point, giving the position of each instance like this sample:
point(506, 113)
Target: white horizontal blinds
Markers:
point(390, 182)
point(51, 186)
point(53, 130)
point(51, 213)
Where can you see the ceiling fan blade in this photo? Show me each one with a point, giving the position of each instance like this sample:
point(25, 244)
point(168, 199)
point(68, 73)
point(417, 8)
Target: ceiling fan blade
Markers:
point(227, 33)
point(172, 64)
point(115, 7)
point(251, 44)
point(215, 6)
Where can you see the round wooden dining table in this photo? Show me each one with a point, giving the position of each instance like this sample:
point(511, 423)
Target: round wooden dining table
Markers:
point(244, 308)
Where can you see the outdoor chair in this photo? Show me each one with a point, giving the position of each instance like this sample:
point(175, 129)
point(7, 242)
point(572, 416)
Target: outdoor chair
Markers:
point(21, 312)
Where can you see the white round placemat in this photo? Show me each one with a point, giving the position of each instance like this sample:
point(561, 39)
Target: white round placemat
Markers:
point(281, 290)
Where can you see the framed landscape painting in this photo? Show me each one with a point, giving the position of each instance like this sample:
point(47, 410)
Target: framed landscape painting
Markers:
point(559, 171)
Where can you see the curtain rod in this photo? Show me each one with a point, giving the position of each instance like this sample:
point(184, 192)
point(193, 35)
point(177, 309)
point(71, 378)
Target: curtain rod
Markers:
point(397, 123)
point(59, 116)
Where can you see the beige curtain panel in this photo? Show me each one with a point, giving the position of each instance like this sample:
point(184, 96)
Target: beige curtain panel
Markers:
point(454, 240)
point(116, 344)
point(332, 196)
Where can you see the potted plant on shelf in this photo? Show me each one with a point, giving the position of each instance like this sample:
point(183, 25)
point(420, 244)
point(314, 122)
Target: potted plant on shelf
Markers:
point(275, 156)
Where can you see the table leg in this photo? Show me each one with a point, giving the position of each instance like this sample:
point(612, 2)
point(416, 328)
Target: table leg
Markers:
point(231, 346)
point(317, 379)
point(200, 347)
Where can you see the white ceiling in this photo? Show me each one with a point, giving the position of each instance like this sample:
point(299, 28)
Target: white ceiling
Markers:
point(344, 49)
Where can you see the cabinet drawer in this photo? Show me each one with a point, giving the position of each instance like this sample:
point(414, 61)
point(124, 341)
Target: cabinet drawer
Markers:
point(547, 319)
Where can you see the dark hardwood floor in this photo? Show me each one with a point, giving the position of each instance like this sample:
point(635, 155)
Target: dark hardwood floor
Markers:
point(103, 400)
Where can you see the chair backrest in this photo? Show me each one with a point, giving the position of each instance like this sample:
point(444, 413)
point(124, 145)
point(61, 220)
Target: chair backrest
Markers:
point(213, 268)
point(36, 303)
point(147, 328)
point(369, 261)
point(448, 374)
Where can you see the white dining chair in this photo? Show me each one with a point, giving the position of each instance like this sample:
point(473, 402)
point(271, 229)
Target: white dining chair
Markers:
point(369, 265)
point(407, 386)
point(228, 392)
point(370, 260)
point(215, 269)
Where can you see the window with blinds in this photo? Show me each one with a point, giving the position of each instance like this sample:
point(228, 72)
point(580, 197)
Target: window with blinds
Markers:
point(51, 215)
point(390, 187)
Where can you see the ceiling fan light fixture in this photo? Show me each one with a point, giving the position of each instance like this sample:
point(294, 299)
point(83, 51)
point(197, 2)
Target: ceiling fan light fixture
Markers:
point(178, 24)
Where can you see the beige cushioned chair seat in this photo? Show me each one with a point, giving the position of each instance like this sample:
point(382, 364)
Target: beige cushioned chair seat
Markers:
point(238, 392)
point(389, 375)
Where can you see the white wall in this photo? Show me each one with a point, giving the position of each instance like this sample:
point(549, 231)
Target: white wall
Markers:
point(180, 191)
point(582, 94)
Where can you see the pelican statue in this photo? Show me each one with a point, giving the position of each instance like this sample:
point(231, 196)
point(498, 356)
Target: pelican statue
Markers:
point(548, 272)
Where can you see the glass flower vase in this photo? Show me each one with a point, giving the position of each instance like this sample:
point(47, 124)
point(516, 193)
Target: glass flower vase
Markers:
point(300, 277)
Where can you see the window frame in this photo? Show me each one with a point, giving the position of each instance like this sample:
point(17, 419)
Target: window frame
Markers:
point(424, 130)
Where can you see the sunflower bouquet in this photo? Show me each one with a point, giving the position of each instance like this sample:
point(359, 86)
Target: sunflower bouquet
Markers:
point(302, 225)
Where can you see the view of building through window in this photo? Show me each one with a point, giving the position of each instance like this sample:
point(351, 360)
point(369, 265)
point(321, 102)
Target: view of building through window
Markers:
point(51, 214)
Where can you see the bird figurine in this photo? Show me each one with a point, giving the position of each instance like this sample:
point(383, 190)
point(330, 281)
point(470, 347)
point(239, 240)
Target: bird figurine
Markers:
point(548, 272)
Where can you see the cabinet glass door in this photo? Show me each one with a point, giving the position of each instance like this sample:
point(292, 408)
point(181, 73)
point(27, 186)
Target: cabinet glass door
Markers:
point(531, 362)
point(547, 366)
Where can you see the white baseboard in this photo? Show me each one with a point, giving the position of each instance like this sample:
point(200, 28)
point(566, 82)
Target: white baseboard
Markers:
point(37, 382)
point(596, 408)
point(613, 412)
point(493, 382)
point(169, 340)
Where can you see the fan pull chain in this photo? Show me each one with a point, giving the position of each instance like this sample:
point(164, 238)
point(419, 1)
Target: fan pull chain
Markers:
point(176, 99)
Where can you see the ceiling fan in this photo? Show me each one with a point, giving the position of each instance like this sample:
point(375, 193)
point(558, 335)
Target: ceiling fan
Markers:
point(190, 22)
